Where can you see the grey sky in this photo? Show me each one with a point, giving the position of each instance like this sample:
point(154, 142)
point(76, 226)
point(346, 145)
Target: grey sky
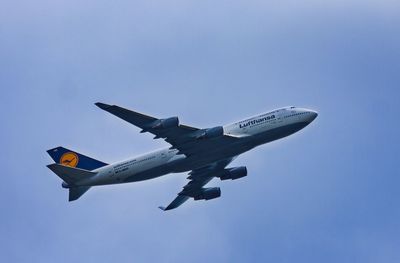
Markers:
point(326, 194)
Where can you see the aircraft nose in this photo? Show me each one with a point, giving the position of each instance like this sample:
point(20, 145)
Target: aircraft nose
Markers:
point(313, 115)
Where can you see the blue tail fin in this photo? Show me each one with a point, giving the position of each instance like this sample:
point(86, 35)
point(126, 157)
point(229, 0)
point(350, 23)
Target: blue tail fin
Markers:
point(67, 157)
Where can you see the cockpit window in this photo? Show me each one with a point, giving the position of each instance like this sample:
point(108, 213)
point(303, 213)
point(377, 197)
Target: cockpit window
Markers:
point(292, 107)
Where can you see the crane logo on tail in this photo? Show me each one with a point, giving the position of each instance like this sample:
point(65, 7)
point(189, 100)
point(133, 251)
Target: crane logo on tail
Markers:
point(69, 159)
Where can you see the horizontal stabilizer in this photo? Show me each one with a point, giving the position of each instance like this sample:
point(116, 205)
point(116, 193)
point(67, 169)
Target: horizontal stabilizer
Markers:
point(76, 192)
point(70, 175)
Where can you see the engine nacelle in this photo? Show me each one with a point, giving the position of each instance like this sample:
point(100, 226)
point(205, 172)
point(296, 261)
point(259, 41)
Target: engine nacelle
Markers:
point(166, 123)
point(234, 173)
point(208, 193)
point(211, 133)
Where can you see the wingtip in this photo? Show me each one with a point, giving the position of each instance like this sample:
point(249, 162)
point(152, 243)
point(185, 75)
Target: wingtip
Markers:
point(162, 208)
point(51, 165)
point(102, 105)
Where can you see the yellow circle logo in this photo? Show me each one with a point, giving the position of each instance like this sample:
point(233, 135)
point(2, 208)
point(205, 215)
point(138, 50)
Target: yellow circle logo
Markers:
point(69, 159)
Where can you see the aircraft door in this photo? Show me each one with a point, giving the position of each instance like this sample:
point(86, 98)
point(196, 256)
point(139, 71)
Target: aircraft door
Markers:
point(279, 116)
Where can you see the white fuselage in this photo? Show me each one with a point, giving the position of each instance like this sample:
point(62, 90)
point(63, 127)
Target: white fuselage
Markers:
point(250, 132)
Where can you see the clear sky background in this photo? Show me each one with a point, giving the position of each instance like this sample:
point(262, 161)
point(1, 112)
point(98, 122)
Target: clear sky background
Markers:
point(329, 193)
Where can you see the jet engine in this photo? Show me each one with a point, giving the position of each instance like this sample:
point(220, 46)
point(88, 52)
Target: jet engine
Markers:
point(208, 193)
point(166, 123)
point(211, 133)
point(234, 173)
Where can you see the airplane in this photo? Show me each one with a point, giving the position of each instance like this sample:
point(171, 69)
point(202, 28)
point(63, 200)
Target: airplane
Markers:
point(206, 153)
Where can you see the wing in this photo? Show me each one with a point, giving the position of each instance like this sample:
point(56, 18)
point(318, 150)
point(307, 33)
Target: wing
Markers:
point(198, 179)
point(188, 140)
